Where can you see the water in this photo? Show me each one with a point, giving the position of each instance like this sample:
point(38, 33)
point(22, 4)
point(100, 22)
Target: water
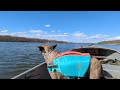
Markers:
point(16, 57)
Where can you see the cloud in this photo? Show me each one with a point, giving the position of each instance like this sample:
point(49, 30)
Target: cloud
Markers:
point(79, 35)
point(35, 31)
point(20, 34)
point(52, 31)
point(114, 38)
point(97, 36)
point(58, 35)
point(65, 33)
point(4, 31)
point(47, 25)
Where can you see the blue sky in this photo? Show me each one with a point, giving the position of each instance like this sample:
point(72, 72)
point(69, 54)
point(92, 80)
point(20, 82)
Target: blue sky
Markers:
point(73, 26)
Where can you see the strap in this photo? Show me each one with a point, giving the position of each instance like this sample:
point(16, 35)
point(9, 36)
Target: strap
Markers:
point(51, 67)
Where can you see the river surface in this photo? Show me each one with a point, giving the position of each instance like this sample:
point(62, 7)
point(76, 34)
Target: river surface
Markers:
point(17, 57)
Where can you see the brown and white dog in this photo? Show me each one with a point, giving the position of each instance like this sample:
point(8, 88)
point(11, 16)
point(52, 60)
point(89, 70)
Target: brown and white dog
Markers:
point(50, 54)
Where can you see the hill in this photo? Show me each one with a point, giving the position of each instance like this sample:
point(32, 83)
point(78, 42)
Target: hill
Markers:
point(110, 42)
point(8, 38)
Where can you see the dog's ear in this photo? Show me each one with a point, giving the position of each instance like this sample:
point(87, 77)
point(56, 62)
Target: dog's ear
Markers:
point(54, 46)
point(41, 48)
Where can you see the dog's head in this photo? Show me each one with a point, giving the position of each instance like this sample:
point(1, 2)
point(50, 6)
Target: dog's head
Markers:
point(46, 48)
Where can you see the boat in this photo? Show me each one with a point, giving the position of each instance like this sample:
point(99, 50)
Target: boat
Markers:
point(37, 72)
point(110, 70)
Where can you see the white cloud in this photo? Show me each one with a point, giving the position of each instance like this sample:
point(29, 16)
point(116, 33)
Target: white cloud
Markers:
point(58, 35)
point(47, 25)
point(65, 33)
point(20, 34)
point(4, 31)
point(79, 35)
point(52, 31)
point(35, 31)
point(97, 36)
point(114, 38)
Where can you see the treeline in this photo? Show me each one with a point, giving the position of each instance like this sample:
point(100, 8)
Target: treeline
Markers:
point(7, 38)
point(110, 42)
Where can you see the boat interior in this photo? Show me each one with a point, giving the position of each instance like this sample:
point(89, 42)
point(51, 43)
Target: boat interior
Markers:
point(107, 56)
point(99, 53)
point(111, 56)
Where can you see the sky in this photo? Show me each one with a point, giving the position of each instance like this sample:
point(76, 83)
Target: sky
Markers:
point(71, 26)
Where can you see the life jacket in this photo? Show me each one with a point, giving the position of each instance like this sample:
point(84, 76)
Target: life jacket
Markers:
point(71, 64)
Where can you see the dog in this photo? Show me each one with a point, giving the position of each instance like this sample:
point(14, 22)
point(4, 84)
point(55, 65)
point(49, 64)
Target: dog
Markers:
point(49, 54)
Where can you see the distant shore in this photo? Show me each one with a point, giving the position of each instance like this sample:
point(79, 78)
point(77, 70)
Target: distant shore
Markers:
point(112, 42)
point(8, 38)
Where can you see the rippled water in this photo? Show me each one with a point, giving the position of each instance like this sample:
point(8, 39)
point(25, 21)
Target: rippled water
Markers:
point(16, 57)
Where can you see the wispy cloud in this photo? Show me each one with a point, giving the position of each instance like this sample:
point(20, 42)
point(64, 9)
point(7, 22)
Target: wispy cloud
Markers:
point(79, 35)
point(35, 31)
point(65, 33)
point(59, 35)
point(38, 34)
point(97, 36)
point(114, 38)
point(47, 25)
point(3, 31)
point(20, 34)
point(52, 31)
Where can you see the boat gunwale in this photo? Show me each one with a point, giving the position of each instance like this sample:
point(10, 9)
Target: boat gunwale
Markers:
point(25, 72)
point(97, 47)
